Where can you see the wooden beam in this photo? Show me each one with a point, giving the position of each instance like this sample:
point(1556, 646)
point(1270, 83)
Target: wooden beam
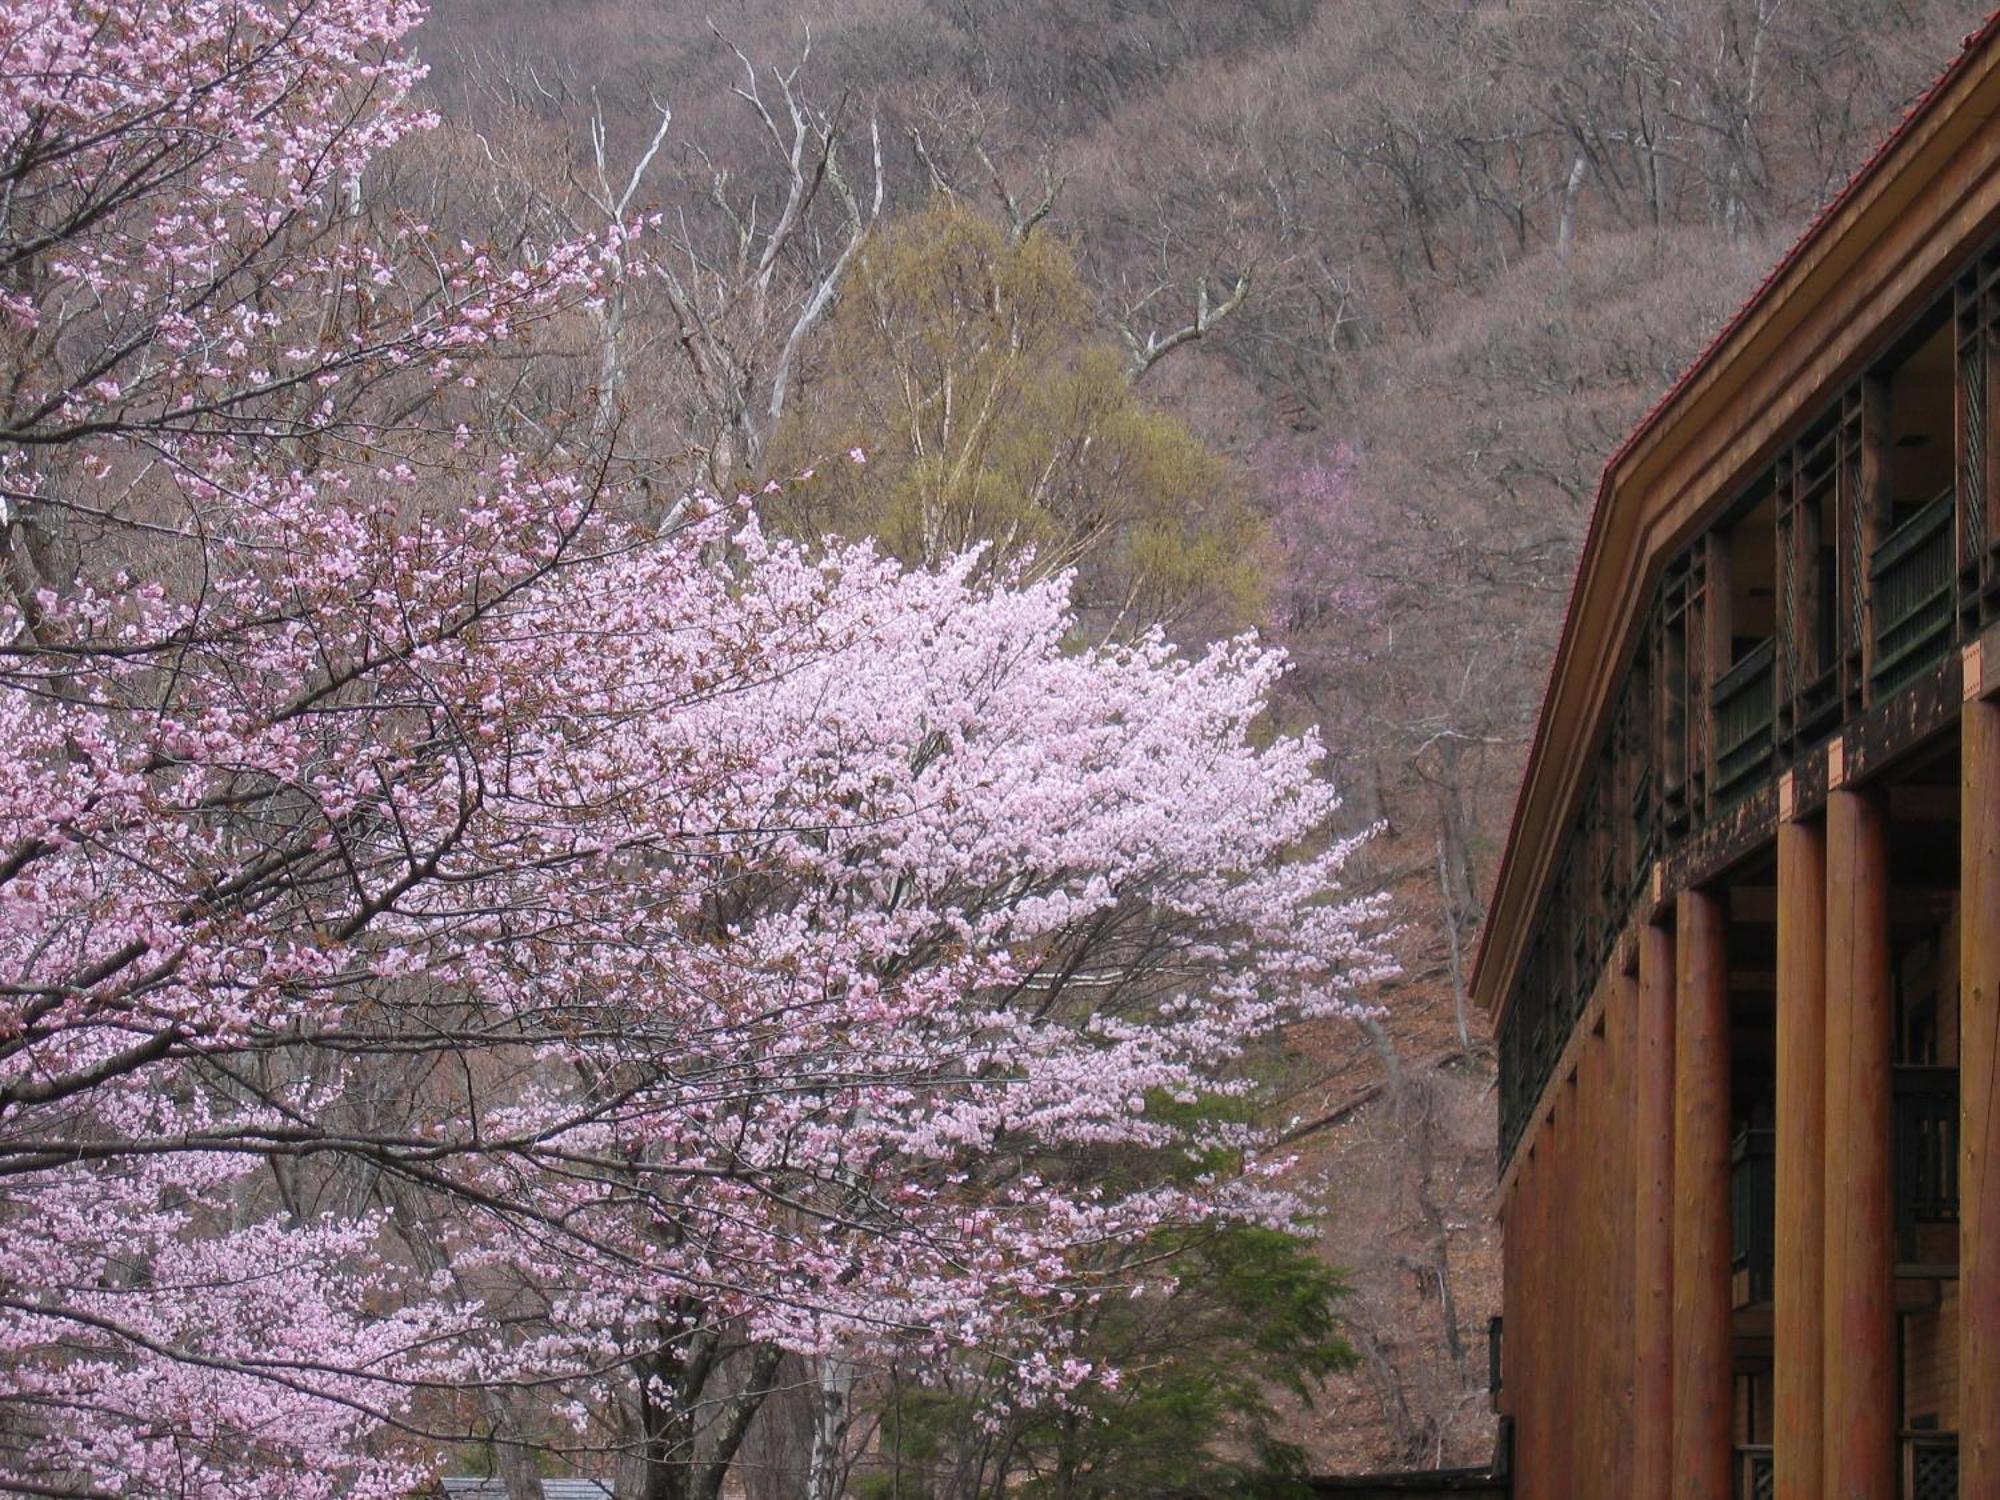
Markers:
point(1653, 1217)
point(1860, 1376)
point(1702, 1399)
point(1979, 1108)
point(1798, 1289)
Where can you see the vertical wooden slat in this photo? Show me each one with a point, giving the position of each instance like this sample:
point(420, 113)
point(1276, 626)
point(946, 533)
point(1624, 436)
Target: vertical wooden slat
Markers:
point(1871, 516)
point(1653, 1217)
point(1626, 1227)
point(1611, 1313)
point(1540, 1400)
point(1567, 1188)
point(1718, 641)
point(1516, 1308)
point(1979, 1103)
point(1587, 1466)
point(1860, 1370)
point(1701, 1360)
point(1969, 439)
point(1554, 1367)
point(1797, 1293)
point(1987, 499)
point(1794, 661)
point(1719, 626)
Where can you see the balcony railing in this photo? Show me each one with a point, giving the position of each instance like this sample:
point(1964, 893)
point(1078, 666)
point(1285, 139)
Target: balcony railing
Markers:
point(1746, 708)
point(1756, 1476)
point(1753, 1187)
point(1926, 1125)
point(1930, 1466)
point(1913, 574)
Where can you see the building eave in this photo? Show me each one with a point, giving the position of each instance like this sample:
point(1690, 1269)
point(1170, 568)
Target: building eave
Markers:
point(1872, 256)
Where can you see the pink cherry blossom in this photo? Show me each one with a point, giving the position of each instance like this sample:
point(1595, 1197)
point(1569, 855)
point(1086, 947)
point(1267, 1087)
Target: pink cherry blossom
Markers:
point(452, 936)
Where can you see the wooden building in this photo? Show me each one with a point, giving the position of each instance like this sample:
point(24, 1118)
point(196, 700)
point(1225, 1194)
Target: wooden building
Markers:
point(1743, 956)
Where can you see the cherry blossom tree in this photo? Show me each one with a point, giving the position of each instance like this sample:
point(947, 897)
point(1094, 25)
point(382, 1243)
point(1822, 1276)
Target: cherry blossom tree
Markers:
point(463, 951)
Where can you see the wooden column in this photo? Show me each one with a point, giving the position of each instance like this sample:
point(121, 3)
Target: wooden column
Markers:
point(1702, 1370)
point(1798, 1287)
point(1979, 1108)
point(1653, 1219)
point(1860, 1370)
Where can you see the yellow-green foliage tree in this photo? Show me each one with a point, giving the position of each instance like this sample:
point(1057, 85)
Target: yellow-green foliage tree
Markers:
point(993, 406)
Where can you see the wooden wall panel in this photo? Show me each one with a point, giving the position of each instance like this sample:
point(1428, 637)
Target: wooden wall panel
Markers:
point(1526, 1314)
point(1571, 1194)
point(1551, 1360)
point(1570, 1292)
point(1615, 1226)
point(1948, 1383)
point(1930, 1364)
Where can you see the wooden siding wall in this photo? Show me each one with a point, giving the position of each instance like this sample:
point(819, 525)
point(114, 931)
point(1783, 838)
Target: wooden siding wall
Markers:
point(1567, 1353)
point(1930, 1363)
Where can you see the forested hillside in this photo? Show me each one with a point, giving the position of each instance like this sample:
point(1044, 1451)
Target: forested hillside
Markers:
point(1317, 316)
point(649, 825)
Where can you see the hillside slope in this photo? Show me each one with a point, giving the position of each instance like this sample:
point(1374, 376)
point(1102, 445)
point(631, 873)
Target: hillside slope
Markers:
point(1479, 238)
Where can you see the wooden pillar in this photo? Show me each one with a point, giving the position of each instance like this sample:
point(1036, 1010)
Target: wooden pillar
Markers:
point(1979, 1108)
point(1653, 1219)
point(1798, 1290)
point(1703, 1389)
point(1860, 1333)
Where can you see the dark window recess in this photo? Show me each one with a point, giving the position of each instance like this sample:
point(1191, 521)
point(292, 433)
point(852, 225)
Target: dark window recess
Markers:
point(1926, 1133)
point(1753, 1187)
